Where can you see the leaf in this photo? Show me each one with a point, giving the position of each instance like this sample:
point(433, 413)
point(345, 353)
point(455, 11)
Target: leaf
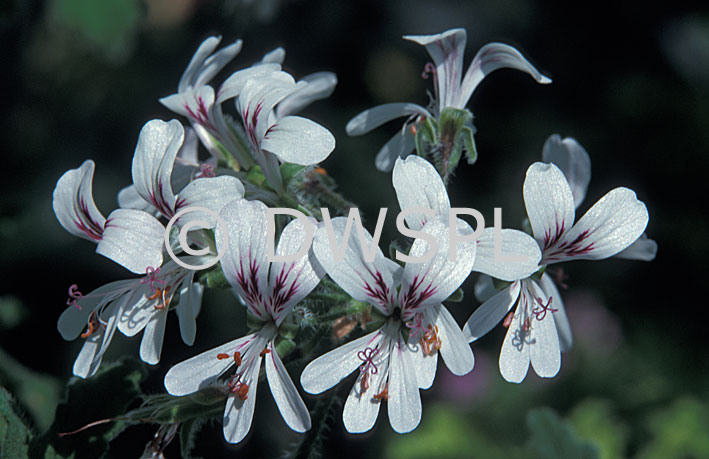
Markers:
point(553, 438)
point(15, 436)
point(679, 430)
point(596, 420)
point(311, 443)
point(12, 312)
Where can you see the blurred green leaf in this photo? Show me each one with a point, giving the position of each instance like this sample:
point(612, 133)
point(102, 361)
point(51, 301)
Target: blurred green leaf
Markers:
point(14, 433)
point(596, 420)
point(552, 437)
point(12, 312)
point(679, 431)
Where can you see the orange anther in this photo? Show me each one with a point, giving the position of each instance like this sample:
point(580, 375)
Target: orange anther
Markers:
point(242, 390)
point(92, 326)
point(508, 319)
point(527, 325)
point(383, 395)
point(364, 383)
point(430, 341)
point(237, 358)
point(161, 292)
point(320, 170)
point(413, 129)
point(222, 356)
point(265, 351)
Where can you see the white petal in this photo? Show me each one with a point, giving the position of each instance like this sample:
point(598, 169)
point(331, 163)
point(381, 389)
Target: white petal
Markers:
point(418, 184)
point(134, 239)
point(544, 353)
point(202, 370)
point(329, 369)
point(563, 328)
point(376, 116)
point(549, 203)
point(187, 310)
point(212, 193)
point(244, 257)
point(320, 86)
point(361, 409)
point(404, 404)
point(611, 225)
point(277, 56)
point(238, 413)
point(289, 403)
point(513, 243)
point(491, 57)
point(73, 320)
point(138, 312)
point(258, 98)
point(151, 344)
point(455, 350)
point(74, 205)
point(372, 282)
point(299, 141)
point(96, 345)
point(514, 356)
point(128, 198)
point(233, 85)
point(574, 162)
point(196, 67)
point(215, 63)
point(153, 161)
point(643, 249)
point(490, 313)
point(424, 365)
point(399, 146)
point(484, 288)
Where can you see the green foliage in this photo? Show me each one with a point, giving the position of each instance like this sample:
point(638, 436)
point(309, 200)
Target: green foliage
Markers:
point(12, 312)
point(15, 436)
point(679, 431)
point(553, 438)
point(596, 420)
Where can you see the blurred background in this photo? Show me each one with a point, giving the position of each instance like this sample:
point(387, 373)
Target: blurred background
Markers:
point(630, 82)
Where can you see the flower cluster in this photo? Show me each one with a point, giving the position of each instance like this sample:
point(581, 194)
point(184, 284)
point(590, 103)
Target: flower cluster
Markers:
point(262, 156)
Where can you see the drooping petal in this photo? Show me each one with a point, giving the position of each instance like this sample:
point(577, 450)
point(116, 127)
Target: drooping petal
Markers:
point(211, 193)
point(138, 312)
point(643, 249)
point(239, 413)
point(424, 365)
point(418, 184)
point(134, 239)
point(491, 312)
point(74, 206)
point(431, 282)
point(574, 162)
point(372, 282)
point(233, 85)
point(514, 356)
point(611, 225)
point(502, 265)
point(287, 398)
point(187, 310)
point(151, 344)
point(399, 146)
point(298, 140)
point(491, 57)
point(96, 345)
point(361, 410)
point(320, 86)
point(563, 328)
point(329, 369)
point(203, 370)
point(158, 145)
point(244, 257)
point(374, 117)
point(455, 350)
point(544, 352)
point(290, 282)
point(404, 404)
point(549, 203)
point(203, 66)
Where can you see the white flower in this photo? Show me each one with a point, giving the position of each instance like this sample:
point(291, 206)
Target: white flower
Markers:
point(391, 366)
point(538, 329)
point(452, 89)
point(269, 291)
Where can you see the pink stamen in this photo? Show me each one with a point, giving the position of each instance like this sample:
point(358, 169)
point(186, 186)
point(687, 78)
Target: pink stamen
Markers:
point(206, 170)
point(367, 356)
point(541, 312)
point(416, 326)
point(151, 277)
point(74, 295)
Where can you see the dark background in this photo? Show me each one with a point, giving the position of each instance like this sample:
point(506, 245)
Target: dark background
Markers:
point(630, 82)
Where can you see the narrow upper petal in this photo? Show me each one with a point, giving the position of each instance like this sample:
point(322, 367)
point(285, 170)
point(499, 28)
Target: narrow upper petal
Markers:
point(299, 141)
point(128, 198)
point(491, 57)
point(491, 312)
point(404, 404)
point(134, 239)
point(574, 162)
point(643, 249)
point(233, 85)
point(193, 68)
point(399, 146)
point(418, 184)
point(374, 117)
point(502, 265)
point(549, 203)
point(287, 398)
point(74, 206)
point(320, 86)
point(455, 350)
point(215, 63)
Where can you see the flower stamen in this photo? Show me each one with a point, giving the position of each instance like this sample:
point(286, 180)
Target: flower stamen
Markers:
point(430, 341)
point(74, 295)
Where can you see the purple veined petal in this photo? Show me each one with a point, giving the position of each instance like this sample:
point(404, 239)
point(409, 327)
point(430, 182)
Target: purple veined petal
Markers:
point(244, 257)
point(491, 57)
point(203, 370)
point(290, 405)
point(290, 282)
point(187, 310)
point(153, 335)
point(455, 350)
point(491, 313)
point(215, 63)
point(134, 239)
point(401, 145)
point(372, 282)
point(233, 85)
point(298, 140)
point(329, 369)
point(257, 99)
point(513, 243)
point(74, 206)
point(431, 282)
point(128, 198)
point(549, 203)
point(446, 50)
point(158, 145)
point(563, 328)
point(573, 160)
point(374, 117)
point(178, 103)
point(320, 86)
point(643, 249)
point(404, 404)
point(484, 288)
point(611, 225)
point(188, 156)
point(212, 193)
point(418, 184)
point(544, 353)
point(276, 56)
point(193, 68)
point(239, 413)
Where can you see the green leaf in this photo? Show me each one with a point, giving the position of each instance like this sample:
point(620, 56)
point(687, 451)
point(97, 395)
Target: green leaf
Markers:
point(679, 431)
point(596, 420)
point(322, 417)
point(15, 436)
point(12, 312)
point(471, 151)
point(188, 431)
point(553, 438)
point(456, 297)
point(290, 171)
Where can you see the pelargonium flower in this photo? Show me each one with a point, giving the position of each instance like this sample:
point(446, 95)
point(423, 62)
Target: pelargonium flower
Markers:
point(608, 227)
point(400, 357)
point(269, 290)
point(452, 89)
